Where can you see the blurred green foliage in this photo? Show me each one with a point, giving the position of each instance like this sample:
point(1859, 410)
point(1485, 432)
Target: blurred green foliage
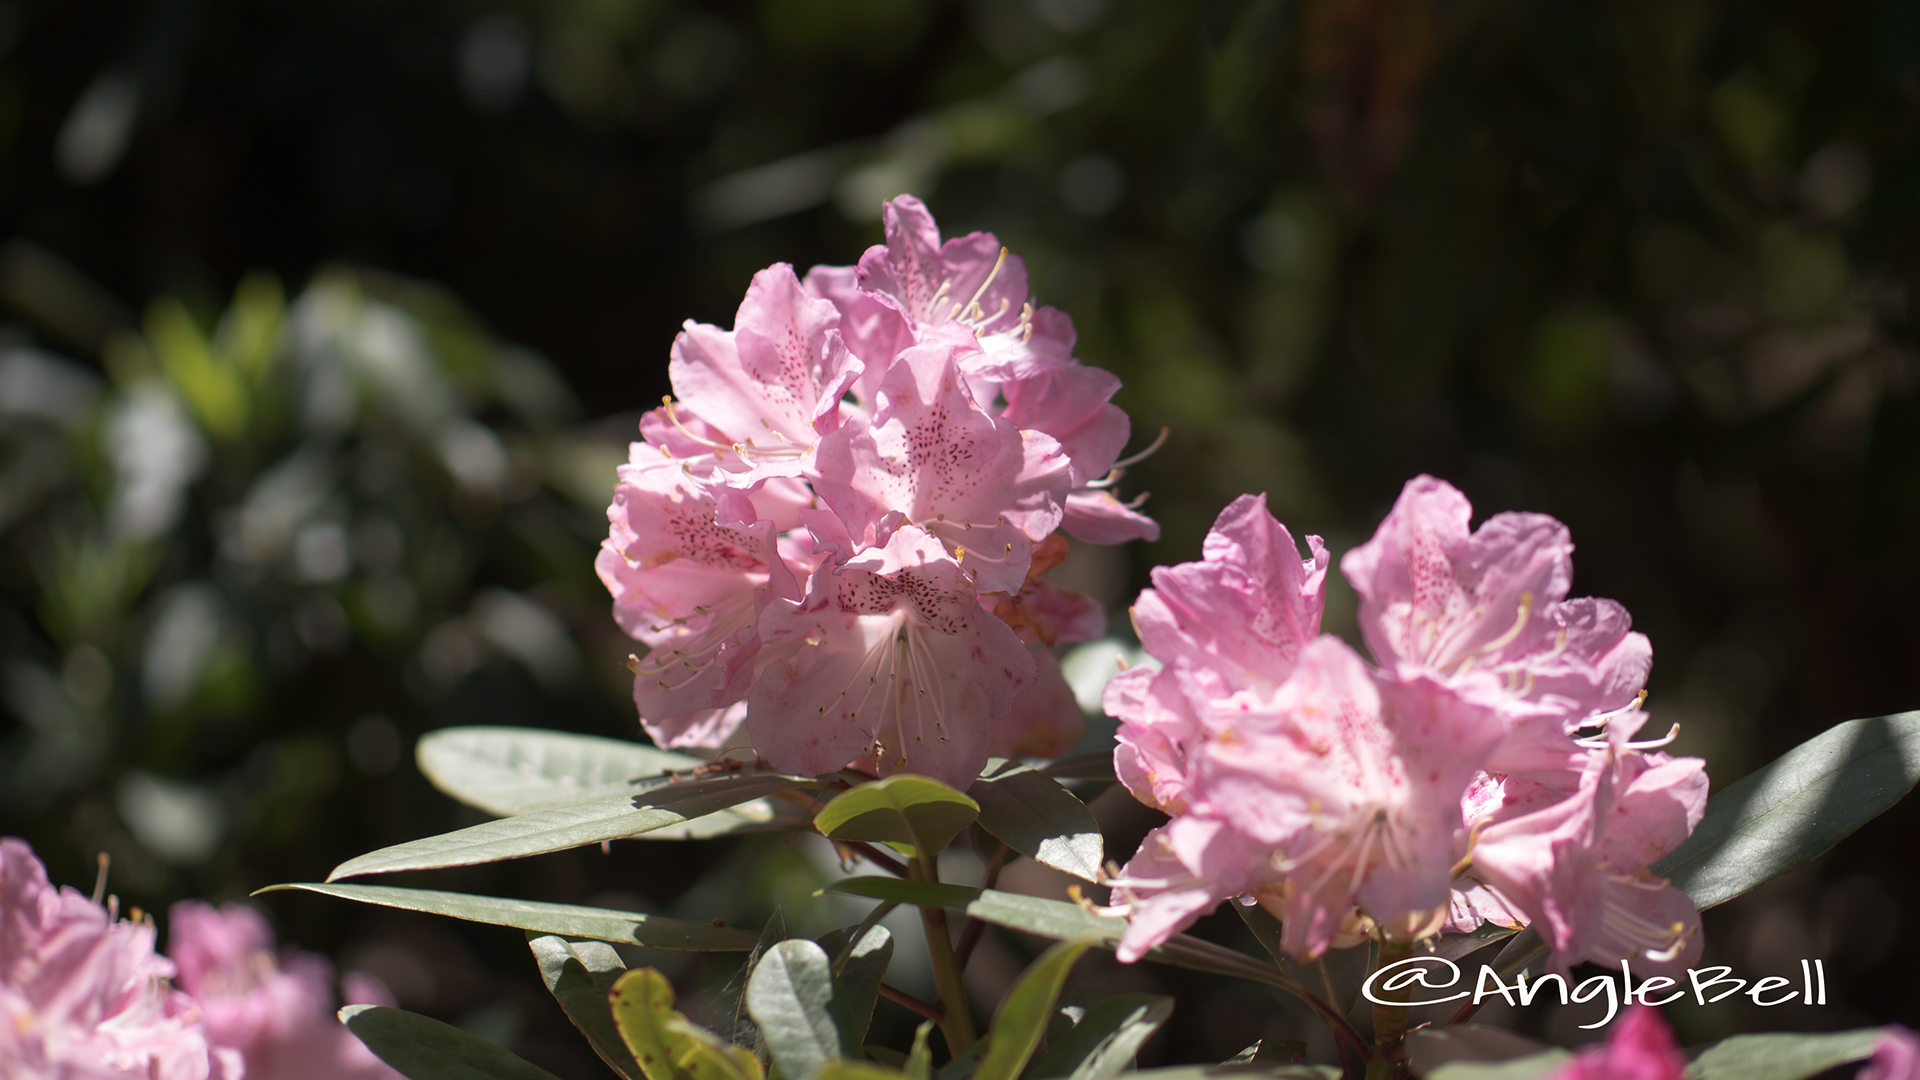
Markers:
point(1646, 266)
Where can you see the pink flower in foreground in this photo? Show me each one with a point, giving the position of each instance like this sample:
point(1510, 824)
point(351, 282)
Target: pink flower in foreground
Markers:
point(758, 543)
point(1231, 625)
point(275, 1010)
point(83, 996)
point(969, 292)
point(1577, 866)
point(1640, 1047)
point(1436, 599)
point(1471, 777)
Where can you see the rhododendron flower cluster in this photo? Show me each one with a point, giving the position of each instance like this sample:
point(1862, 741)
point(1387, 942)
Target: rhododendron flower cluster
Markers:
point(84, 996)
point(275, 1006)
point(833, 532)
point(1482, 768)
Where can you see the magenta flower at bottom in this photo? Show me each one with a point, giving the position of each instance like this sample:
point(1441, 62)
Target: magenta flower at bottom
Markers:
point(1641, 1047)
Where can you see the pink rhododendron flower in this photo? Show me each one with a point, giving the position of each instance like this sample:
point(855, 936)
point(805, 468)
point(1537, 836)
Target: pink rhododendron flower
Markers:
point(1232, 624)
point(1576, 866)
point(889, 652)
point(829, 540)
point(83, 995)
point(1436, 599)
point(1484, 771)
point(1640, 1047)
point(275, 1008)
point(982, 486)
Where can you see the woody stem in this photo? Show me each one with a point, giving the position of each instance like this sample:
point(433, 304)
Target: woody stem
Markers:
point(1389, 1061)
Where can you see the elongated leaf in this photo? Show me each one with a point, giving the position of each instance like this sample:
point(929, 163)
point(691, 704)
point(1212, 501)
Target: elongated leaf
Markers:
point(541, 831)
point(424, 1049)
point(600, 924)
point(901, 809)
point(919, 1064)
point(1335, 978)
point(580, 975)
point(858, 1070)
point(1249, 1071)
point(1461, 946)
point(917, 893)
point(1039, 819)
point(1063, 921)
point(511, 770)
point(1785, 813)
point(1105, 1040)
point(802, 1016)
point(1022, 1016)
point(667, 1044)
point(771, 934)
point(861, 971)
point(1532, 1067)
point(1782, 1056)
point(1431, 1050)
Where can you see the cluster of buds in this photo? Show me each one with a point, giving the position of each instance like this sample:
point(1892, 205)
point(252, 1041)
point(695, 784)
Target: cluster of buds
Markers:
point(831, 536)
point(1482, 768)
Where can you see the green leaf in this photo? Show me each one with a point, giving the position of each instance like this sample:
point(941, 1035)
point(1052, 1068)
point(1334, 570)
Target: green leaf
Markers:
point(1531, 1067)
point(1782, 1056)
point(1104, 1042)
point(600, 924)
point(1785, 813)
point(667, 1045)
point(901, 809)
point(510, 770)
point(858, 1070)
point(1039, 819)
point(859, 968)
point(1467, 1048)
point(1022, 1016)
point(801, 1015)
point(1461, 946)
point(1283, 1052)
point(423, 1049)
point(771, 934)
point(540, 831)
point(1250, 1071)
point(918, 893)
point(1335, 978)
point(1063, 921)
point(580, 975)
point(920, 1059)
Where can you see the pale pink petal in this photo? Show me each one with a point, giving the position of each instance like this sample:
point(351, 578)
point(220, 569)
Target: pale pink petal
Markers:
point(1244, 613)
point(1158, 727)
point(1098, 518)
point(984, 487)
point(766, 382)
point(1070, 403)
point(1182, 870)
point(1045, 719)
point(890, 649)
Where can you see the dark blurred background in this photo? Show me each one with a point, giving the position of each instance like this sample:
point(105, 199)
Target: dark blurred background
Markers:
point(325, 324)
